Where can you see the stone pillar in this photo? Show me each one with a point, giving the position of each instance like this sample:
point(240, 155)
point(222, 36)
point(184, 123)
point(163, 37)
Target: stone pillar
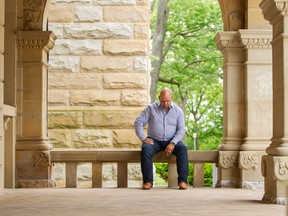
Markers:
point(234, 108)
point(258, 105)
point(2, 6)
point(33, 161)
point(275, 164)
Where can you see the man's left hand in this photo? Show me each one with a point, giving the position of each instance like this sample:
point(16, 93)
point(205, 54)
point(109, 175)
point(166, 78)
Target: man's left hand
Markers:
point(169, 149)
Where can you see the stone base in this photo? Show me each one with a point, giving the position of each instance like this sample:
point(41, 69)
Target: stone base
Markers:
point(250, 169)
point(33, 169)
point(274, 170)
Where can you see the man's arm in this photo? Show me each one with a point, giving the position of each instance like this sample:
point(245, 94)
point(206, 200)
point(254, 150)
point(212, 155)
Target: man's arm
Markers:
point(140, 122)
point(180, 128)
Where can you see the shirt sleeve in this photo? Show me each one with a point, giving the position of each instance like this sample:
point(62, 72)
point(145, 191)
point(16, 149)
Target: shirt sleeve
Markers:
point(140, 122)
point(180, 132)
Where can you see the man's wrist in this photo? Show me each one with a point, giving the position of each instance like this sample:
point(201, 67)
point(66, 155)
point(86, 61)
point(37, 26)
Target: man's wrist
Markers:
point(173, 143)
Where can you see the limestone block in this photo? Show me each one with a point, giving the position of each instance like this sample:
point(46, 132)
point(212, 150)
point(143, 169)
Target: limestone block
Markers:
point(134, 98)
point(90, 138)
point(98, 31)
point(57, 29)
point(71, 2)
point(125, 14)
point(106, 64)
point(64, 119)
point(110, 118)
point(77, 47)
point(88, 13)
point(134, 171)
point(114, 2)
point(125, 139)
point(124, 81)
point(141, 31)
point(125, 47)
point(60, 138)
point(94, 98)
point(74, 81)
point(61, 14)
point(141, 64)
point(64, 63)
point(58, 97)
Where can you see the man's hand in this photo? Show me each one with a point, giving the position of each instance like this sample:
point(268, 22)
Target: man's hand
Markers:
point(169, 149)
point(148, 141)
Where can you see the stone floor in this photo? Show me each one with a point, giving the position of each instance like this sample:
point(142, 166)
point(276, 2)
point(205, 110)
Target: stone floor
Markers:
point(134, 201)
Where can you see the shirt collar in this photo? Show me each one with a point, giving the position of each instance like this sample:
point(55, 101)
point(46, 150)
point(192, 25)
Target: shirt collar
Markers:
point(171, 105)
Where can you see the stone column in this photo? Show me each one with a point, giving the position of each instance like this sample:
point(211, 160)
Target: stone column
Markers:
point(234, 109)
point(258, 105)
point(275, 164)
point(33, 161)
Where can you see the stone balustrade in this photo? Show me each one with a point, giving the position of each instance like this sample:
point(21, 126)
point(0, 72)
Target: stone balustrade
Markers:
point(122, 157)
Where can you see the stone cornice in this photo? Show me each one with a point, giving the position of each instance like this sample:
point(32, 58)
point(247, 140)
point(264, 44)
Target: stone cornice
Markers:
point(272, 9)
point(35, 40)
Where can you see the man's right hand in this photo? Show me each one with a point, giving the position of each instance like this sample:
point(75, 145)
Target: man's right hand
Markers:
point(148, 141)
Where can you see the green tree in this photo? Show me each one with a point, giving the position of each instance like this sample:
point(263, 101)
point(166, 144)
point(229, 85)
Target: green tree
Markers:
point(190, 64)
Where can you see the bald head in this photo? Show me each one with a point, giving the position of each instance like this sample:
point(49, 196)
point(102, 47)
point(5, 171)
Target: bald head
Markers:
point(165, 98)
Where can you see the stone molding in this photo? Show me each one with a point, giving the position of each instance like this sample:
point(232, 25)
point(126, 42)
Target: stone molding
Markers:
point(35, 40)
point(228, 159)
point(255, 38)
point(248, 160)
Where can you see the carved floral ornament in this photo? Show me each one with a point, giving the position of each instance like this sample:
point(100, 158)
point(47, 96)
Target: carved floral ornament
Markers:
point(248, 160)
point(228, 159)
point(41, 159)
point(281, 168)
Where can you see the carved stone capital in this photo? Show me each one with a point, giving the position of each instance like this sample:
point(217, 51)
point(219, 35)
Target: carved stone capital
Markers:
point(35, 40)
point(272, 9)
point(249, 160)
point(228, 40)
point(228, 159)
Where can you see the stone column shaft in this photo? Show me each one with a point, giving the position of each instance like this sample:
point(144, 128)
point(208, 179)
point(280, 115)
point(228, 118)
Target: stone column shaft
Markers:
point(234, 121)
point(32, 148)
point(274, 165)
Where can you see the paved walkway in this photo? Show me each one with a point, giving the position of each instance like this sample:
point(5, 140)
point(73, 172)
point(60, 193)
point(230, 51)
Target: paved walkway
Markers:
point(134, 202)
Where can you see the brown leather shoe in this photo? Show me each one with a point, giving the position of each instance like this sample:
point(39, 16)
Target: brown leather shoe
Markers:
point(182, 185)
point(147, 186)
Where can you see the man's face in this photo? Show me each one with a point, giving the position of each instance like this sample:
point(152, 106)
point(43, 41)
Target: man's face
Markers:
point(165, 100)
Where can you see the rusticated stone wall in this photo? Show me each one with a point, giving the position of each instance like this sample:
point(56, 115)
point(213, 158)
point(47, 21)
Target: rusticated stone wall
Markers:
point(99, 72)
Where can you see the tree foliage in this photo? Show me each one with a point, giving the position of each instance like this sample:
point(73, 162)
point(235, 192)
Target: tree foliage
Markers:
point(190, 64)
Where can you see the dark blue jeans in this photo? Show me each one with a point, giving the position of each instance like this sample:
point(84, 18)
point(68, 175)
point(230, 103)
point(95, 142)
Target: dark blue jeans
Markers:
point(148, 151)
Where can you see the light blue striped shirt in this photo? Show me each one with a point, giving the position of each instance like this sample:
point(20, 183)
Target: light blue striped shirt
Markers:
point(162, 126)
